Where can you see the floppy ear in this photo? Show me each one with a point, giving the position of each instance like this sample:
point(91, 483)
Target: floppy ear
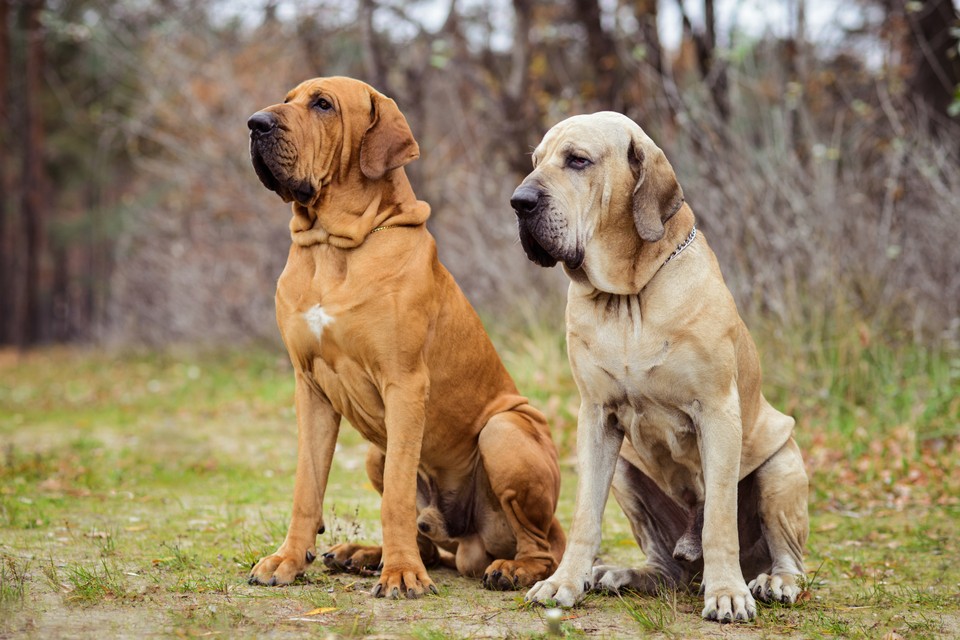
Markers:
point(657, 195)
point(388, 142)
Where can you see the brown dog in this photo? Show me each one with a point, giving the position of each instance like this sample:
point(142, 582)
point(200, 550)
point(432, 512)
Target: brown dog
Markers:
point(379, 333)
point(672, 414)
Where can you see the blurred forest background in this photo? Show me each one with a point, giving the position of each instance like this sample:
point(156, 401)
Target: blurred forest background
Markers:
point(821, 157)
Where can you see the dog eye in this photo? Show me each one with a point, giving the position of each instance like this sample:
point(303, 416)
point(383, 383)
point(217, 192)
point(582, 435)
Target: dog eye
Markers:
point(323, 104)
point(577, 162)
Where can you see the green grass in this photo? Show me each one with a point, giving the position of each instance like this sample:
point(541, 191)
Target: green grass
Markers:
point(136, 490)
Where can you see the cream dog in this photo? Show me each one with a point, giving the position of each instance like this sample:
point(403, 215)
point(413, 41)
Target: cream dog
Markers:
point(672, 413)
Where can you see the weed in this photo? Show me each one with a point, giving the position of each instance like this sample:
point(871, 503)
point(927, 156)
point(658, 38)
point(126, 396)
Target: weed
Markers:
point(812, 581)
point(203, 584)
point(654, 615)
point(106, 542)
point(924, 624)
point(13, 575)
point(346, 528)
point(177, 560)
point(52, 576)
point(251, 549)
point(90, 586)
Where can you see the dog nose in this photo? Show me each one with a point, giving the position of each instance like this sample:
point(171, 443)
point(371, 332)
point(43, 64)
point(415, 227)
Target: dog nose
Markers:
point(262, 122)
point(525, 200)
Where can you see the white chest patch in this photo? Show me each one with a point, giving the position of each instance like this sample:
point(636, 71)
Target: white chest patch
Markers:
point(317, 319)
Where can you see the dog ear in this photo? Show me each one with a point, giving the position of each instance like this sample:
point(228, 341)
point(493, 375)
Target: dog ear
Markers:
point(388, 142)
point(657, 195)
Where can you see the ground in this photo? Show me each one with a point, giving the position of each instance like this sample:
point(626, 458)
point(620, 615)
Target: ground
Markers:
point(136, 490)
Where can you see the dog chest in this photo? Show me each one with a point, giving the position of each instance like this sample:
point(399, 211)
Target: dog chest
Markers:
point(314, 334)
point(612, 351)
point(629, 368)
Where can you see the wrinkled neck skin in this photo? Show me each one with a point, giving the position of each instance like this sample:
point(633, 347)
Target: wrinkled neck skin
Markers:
point(344, 215)
point(618, 261)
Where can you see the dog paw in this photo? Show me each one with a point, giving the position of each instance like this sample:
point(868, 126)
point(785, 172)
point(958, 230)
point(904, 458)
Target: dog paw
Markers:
point(647, 579)
point(353, 558)
point(564, 592)
point(507, 575)
point(729, 604)
point(780, 587)
point(610, 579)
point(283, 567)
point(407, 580)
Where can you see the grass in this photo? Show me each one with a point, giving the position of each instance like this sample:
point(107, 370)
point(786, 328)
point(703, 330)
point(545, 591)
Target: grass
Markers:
point(653, 615)
point(136, 490)
point(13, 580)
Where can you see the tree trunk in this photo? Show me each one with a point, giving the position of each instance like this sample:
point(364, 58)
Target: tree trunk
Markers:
point(712, 70)
point(520, 119)
point(374, 63)
point(29, 329)
point(645, 12)
point(6, 143)
point(602, 54)
point(716, 71)
point(796, 68)
point(934, 54)
point(647, 87)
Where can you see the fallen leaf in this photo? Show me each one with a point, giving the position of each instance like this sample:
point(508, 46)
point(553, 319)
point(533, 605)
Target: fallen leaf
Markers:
point(319, 611)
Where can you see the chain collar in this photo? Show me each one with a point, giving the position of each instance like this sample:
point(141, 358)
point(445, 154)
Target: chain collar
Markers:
point(391, 226)
point(683, 245)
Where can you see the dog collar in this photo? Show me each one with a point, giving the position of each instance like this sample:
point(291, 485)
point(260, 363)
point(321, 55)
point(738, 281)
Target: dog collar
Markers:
point(683, 245)
point(390, 226)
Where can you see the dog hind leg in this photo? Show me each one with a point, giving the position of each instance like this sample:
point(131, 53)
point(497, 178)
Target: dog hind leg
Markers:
point(783, 488)
point(658, 524)
point(526, 483)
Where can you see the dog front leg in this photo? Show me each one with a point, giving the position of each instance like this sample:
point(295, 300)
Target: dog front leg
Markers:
point(726, 597)
point(405, 414)
point(598, 444)
point(317, 428)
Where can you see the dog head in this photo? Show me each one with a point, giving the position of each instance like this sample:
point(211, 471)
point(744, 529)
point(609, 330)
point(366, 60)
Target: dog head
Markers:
point(600, 188)
point(328, 129)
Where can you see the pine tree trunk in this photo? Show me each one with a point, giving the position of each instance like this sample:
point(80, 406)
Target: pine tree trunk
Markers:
point(6, 143)
point(30, 326)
